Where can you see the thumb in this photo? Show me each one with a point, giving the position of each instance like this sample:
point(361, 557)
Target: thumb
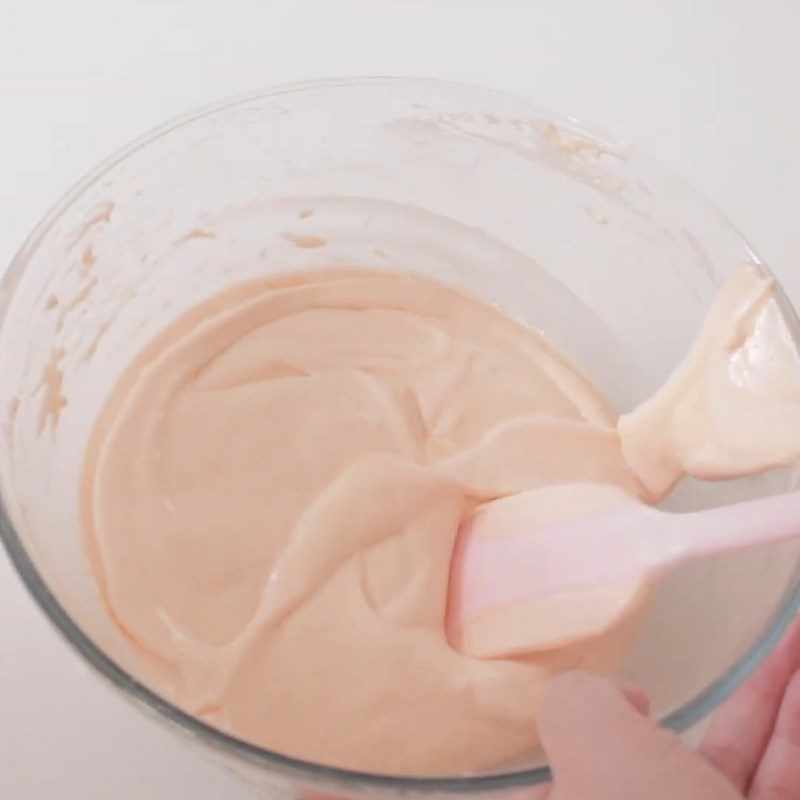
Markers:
point(601, 748)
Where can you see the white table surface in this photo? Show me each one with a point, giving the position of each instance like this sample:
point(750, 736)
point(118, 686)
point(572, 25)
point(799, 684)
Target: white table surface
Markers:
point(708, 85)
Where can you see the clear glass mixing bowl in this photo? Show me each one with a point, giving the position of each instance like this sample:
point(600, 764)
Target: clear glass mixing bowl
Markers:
point(601, 248)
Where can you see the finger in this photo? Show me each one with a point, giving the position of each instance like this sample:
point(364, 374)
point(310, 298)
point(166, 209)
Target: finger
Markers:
point(636, 697)
point(599, 746)
point(778, 774)
point(740, 730)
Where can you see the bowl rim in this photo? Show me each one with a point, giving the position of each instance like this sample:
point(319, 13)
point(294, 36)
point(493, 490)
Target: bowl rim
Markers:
point(287, 766)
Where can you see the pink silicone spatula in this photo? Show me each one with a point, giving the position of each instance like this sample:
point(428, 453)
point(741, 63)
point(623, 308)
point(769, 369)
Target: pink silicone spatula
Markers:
point(564, 562)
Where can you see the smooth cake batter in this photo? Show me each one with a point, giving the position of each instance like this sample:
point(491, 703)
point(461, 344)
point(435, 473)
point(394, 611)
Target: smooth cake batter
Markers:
point(272, 492)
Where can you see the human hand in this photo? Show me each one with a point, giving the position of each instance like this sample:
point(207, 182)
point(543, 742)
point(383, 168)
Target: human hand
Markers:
point(602, 747)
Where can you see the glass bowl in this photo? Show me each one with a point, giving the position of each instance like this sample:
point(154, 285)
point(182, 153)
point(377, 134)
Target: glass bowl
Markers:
point(611, 256)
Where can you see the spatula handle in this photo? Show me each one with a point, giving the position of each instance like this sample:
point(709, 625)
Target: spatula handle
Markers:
point(736, 527)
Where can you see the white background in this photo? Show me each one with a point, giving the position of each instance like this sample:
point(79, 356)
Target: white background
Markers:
point(710, 86)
